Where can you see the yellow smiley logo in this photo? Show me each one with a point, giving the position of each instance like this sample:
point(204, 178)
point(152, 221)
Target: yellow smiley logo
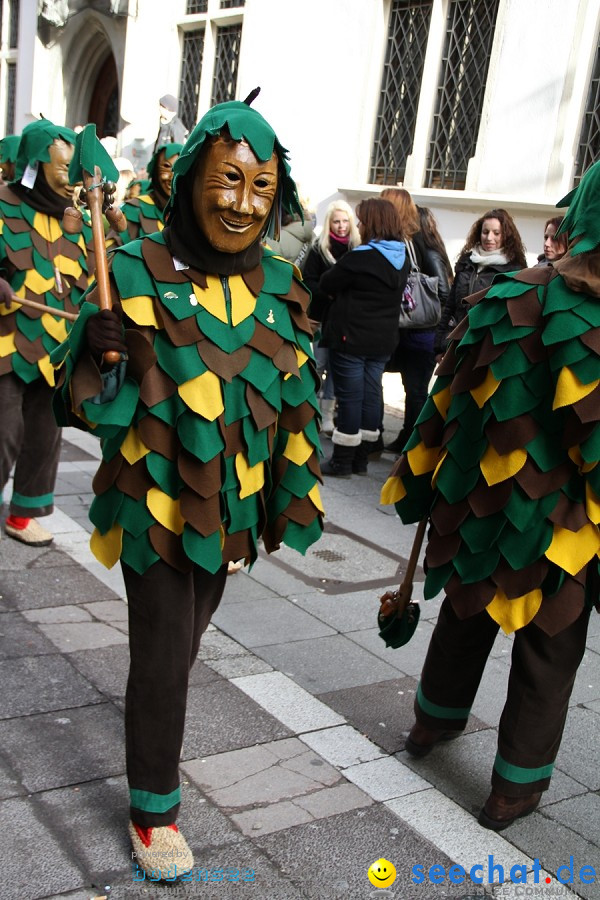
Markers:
point(381, 873)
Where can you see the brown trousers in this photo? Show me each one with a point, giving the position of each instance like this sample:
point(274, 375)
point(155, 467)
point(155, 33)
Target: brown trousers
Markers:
point(168, 613)
point(542, 675)
point(29, 441)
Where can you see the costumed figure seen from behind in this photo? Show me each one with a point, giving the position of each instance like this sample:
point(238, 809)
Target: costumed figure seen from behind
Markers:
point(505, 461)
point(40, 262)
point(209, 427)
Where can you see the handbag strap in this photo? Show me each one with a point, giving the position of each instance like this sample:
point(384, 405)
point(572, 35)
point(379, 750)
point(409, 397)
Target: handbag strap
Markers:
point(413, 259)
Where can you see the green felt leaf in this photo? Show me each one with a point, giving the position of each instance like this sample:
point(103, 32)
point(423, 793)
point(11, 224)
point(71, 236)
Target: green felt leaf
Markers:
point(118, 412)
point(165, 474)
point(260, 371)
point(234, 400)
point(505, 331)
point(560, 298)
point(134, 517)
point(16, 241)
point(222, 334)
point(295, 391)
point(273, 395)
point(546, 450)
point(179, 305)
point(274, 314)
point(27, 372)
point(480, 534)
point(521, 548)
point(230, 481)
point(138, 552)
point(180, 363)
point(298, 480)
point(453, 483)
point(436, 580)
point(523, 511)
point(88, 154)
point(567, 354)
point(104, 509)
point(169, 409)
point(587, 369)
point(590, 448)
point(204, 551)
point(300, 537)
point(31, 328)
point(278, 503)
point(512, 362)
point(256, 442)
point(132, 277)
point(513, 398)
point(473, 567)
point(242, 513)
point(563, 327)
point(487, 313)
point(202, 438)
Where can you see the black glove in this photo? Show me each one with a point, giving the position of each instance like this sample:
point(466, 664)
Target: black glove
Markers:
point(104, 331)
point(6, 293)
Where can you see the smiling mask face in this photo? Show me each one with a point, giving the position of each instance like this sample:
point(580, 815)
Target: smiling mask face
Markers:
point(232, 194)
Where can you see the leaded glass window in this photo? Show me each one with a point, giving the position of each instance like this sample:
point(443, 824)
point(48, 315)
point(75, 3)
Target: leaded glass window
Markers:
point(228, 4)
point(400, 88)
point(463, 75)
point(13, 24)
point(196, 6)
point(189, 85)
point(11, 87)
point(589, 139)
point(226, 63)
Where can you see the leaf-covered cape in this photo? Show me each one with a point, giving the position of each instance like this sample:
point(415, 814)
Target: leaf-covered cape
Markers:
point(212, 441)
point(504, 456)
point(44, 264)
point(143, 218)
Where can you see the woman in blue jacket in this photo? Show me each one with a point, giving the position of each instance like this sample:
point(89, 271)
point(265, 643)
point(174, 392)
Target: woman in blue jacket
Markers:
point(360, 328)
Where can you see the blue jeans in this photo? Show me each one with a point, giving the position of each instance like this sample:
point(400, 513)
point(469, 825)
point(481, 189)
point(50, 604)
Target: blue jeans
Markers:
point(358, 389)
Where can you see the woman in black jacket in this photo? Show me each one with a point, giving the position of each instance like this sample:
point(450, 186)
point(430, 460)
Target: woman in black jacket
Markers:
point(493, 245)
point(360, 325)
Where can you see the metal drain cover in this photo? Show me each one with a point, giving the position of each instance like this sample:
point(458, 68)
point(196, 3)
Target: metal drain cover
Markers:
point(329, 555)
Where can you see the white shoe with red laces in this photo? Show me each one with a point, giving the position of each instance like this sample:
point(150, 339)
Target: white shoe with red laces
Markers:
point(161, 850)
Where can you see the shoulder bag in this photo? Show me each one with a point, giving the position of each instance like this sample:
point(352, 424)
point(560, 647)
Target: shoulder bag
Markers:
point(420, 307)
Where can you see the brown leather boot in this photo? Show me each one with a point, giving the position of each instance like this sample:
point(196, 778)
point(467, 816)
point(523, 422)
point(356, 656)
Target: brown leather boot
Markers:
point(422, 740)
point(501, 811)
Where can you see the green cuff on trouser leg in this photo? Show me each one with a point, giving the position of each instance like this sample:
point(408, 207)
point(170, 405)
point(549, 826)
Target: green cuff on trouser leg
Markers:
point(149, 810)
point(434, 716)
point(520, 781)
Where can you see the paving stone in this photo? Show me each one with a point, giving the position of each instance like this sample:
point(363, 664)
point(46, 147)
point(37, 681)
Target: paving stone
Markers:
point(279, 577)
point(243, 588)
point(20, 638)
point(337, 851)
point(408, 659)
point(275, 817)
point(262, 775)
point(578, 754)
point(36, 587)
point(65, 747)
point(220, 717)
point(83, 636)
point(290, 703)
point(70, 452)
point(344, 612)
point(55, 615)
point(268, 621)
point(326, 663)
point(41, 683)
point(385, 778)
point(10, 786)
point(334, 800)
point(216, 645)
point(491, 694)
point(17, 557)
point(236, 666)
point(578, 813)
point(106, 669)
point(37, 864)
point(342, 746)
point(587, 682)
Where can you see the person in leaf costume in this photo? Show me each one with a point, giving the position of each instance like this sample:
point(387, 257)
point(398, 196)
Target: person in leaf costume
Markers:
point(39, 261)
point(504, 460)
point(209, 428)
point(145, 213)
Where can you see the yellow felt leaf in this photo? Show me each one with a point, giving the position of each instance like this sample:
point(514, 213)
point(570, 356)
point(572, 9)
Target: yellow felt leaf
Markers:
point(571, 550)
point(442, 401)
point(485, 390)
point(422, 459)
point(141, 310)
point(315, 496)
point(47, 369)
point(107, 547)
point(203, 394)
point(133, 448)
point(592, 505)
point(243, 300)
point(67, 266)
point(165, 510)
point(569, 389)
point(56, 328)
point(298, 449)
point(47, 226)
point(213, 298)
point(496, 468)
point(251, 478)
point(37, 284)
point(392, 491)
point(516, 613)
point(301, 356)
point(7, 345)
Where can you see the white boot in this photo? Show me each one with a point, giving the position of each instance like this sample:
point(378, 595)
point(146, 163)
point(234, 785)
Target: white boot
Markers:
point(327, 411)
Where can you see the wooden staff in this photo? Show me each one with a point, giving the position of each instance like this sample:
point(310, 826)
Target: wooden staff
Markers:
point(94, 200)
point(397, 601)
point(61, 313)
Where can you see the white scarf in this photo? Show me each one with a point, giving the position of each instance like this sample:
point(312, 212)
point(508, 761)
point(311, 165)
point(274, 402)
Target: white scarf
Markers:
point(482, 257)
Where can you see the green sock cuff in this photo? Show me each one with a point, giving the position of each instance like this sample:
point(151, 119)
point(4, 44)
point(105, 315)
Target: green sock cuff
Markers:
point(154, 803)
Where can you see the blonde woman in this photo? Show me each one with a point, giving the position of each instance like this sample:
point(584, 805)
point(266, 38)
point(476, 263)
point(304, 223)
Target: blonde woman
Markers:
point(338, 235)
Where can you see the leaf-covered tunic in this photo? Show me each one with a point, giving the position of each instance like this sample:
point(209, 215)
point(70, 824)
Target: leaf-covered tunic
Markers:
point(44, 264)
point(212, 440)
point(505, 454)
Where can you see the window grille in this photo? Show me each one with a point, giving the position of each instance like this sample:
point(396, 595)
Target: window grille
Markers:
point(13, 24)
point(226, 63)
point(463, 75)
point(400, 87)
point(196, 6)
point(11, 85)
point(189, 83)
point(228, 4)
point(589, 139)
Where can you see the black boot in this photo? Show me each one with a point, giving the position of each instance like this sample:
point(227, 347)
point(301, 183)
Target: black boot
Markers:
point(340, 464)
point(397, 445)
point(361, 458)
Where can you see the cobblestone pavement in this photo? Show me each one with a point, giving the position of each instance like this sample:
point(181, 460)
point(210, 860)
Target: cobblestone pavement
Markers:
point(294, 774)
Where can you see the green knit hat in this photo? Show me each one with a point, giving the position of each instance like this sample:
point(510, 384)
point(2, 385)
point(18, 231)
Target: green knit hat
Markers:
point(36, 139)
point(583, 218)
point(243, 124)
